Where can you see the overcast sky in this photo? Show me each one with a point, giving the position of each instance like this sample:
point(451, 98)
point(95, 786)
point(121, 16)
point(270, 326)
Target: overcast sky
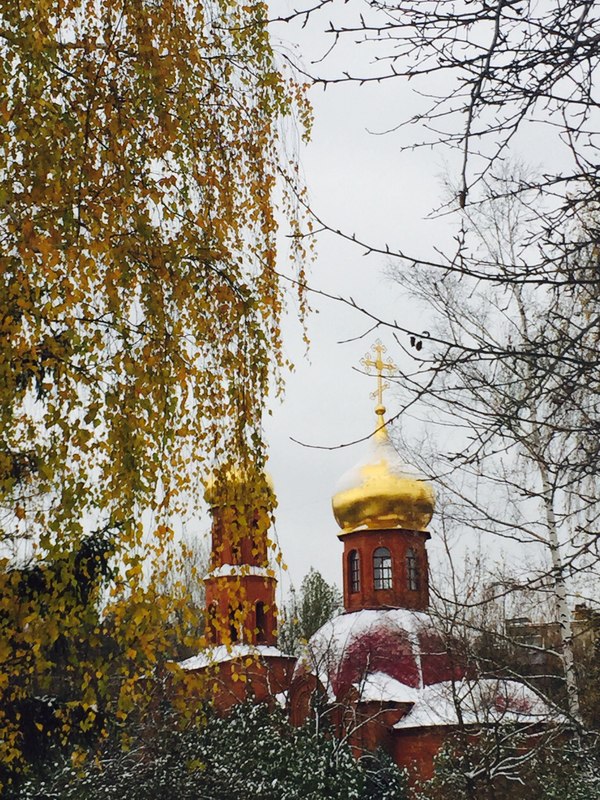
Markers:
point(361, 183)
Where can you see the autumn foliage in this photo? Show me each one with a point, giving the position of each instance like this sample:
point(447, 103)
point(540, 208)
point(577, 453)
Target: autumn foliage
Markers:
point(141, 163)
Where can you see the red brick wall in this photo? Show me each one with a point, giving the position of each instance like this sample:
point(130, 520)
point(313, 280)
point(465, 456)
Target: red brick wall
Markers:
point(225, 593)
point(370, 727)
point(231, 601)
point(302, 689)
point(238, 543)
point(260, 679)
point(417, 748)
point(398, 543)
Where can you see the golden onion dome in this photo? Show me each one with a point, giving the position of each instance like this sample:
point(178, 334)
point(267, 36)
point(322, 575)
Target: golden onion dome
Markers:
point(382, 492)
point(233, 486)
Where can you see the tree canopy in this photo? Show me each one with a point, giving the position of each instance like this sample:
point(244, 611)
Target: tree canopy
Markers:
point(318, 602)
point(141, 162)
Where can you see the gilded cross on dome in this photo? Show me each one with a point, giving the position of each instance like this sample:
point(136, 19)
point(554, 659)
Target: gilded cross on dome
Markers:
point(374, 360)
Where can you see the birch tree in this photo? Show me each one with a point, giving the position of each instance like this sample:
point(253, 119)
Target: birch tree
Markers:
point(140, 166)
point(496, 371)
point(479, 84)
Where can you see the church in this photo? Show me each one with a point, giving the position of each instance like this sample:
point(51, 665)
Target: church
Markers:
point(382, 671)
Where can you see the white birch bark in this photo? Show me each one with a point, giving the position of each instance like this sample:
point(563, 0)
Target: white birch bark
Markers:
point(563, 611)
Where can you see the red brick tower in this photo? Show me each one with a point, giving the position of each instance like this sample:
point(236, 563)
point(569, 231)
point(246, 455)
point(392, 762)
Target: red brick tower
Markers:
point(383, 508)
point(240, 587)
point(241, 658)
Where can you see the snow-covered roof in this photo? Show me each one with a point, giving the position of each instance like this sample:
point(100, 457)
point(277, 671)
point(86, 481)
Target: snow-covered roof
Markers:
point(222, 653)
point(480, 701)
point(377, 687)
point(396, 655)
point(336, 635)
point(239, 570)
point(331, 645)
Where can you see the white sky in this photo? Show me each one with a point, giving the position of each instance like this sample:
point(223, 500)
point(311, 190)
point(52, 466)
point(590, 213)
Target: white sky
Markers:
point(359, 183)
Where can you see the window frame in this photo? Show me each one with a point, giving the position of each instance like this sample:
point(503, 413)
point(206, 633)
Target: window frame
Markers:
point(354, 572)
point(383, 574)
point(234, 631)
point(412, 570)
point(261, 622)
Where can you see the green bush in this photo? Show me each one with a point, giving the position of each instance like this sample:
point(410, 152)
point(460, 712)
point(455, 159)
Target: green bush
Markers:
point(252, 754)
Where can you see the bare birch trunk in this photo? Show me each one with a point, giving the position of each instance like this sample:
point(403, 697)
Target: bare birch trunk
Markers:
point(563, 612)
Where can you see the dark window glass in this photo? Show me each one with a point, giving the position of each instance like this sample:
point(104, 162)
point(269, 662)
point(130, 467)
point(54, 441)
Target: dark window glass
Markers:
point(233, 625)
point(354, 565)
point(212, 622)
point(261, 621)
point(382, 568)
point(412, 568)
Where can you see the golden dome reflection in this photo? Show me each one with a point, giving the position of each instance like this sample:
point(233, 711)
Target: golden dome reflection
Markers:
point(383, 492)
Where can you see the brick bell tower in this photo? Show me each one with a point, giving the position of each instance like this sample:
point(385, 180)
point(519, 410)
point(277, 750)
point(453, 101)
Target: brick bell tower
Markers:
point(240, 586)
point(240, 661)
point(383, 507)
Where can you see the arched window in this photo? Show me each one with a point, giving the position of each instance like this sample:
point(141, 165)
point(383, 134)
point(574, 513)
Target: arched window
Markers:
point(354, 571)
point(382, 568)
point(212, 622)
point(412, 570)
point(261, 622)
point(236, 552)
point(233, 624)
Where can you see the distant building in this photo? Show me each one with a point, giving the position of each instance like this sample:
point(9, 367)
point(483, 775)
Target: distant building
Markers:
point(585, 627)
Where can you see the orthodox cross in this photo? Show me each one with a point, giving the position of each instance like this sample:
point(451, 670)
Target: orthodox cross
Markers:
point(377, 363)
